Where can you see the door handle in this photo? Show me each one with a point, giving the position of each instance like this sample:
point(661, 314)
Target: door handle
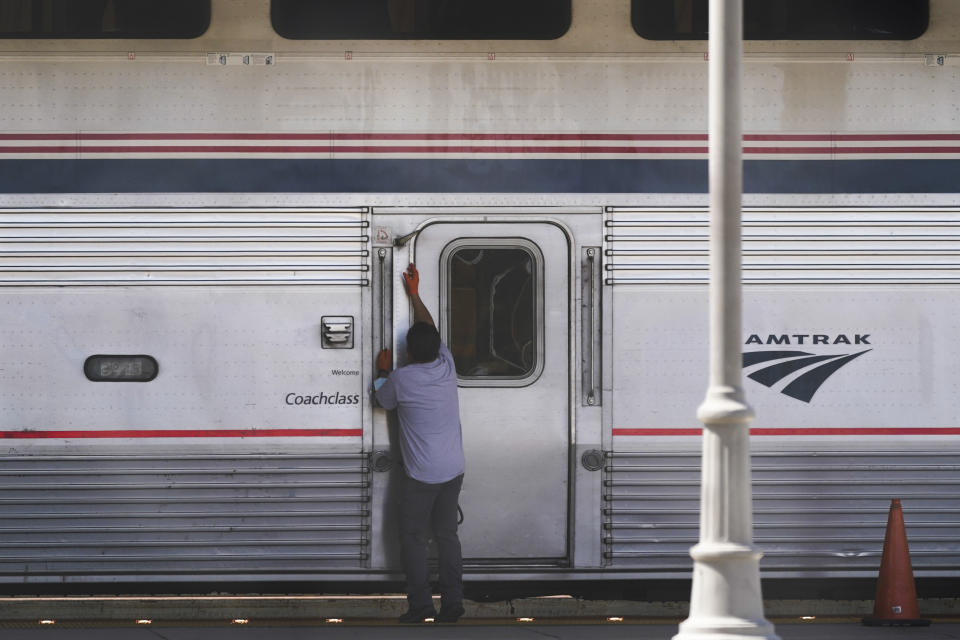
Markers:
point(404, 239)
point(383, 306)
point(590, 336)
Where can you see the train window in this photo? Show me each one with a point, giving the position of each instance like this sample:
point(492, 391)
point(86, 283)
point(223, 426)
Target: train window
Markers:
point(494, 310)
point(788, 19)
point(420, 19)
point(101, 368)
point(103, 18)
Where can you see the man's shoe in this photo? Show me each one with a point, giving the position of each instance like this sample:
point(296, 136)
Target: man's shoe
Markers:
point(450, 613)
point(420, 614)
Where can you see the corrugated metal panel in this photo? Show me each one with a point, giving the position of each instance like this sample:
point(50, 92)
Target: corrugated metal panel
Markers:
point(813, 511)
point(183, 247)
point(163, 516)
point(788, 246)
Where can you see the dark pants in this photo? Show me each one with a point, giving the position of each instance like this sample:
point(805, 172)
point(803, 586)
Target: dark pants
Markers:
point(425, 506)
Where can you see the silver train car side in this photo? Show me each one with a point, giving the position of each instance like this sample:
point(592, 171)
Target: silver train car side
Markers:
point(200, 256)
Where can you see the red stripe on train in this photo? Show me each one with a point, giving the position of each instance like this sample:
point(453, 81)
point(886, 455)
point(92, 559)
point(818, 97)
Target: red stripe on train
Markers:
point(754, 137)
point(354, 136)
point(347, 149)
point(413, 149)
point(804, 431)
point(186, 433)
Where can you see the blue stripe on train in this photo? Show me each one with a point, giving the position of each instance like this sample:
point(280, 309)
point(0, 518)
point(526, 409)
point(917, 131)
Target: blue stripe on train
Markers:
point(464, 176)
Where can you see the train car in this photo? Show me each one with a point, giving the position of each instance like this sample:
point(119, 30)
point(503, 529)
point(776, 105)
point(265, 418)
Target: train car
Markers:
point(206, 207)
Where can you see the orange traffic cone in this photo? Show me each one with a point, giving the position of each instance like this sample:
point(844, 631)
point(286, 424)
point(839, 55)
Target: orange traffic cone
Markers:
point(896, 604)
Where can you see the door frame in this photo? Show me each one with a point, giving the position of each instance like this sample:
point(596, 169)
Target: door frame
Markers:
point(499, 231)
point(403, 225)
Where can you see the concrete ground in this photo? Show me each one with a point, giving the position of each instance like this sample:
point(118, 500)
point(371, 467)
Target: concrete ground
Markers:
point(460, 631)
point(386, 607)
point(293, 617)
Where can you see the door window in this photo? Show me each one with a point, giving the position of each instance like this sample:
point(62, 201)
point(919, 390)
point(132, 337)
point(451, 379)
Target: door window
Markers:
point(494, 310)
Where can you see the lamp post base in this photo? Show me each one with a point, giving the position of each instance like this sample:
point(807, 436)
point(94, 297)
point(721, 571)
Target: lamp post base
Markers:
point(725, 629)
point(725, 603)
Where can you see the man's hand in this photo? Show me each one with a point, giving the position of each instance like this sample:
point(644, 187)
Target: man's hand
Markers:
point(384, 361)
point(411, 280)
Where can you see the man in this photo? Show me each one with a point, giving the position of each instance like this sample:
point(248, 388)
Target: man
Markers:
point(424, 393)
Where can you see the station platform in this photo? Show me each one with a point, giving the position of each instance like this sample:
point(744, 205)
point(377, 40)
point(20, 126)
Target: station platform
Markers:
point(287, 617)
point(464, 630)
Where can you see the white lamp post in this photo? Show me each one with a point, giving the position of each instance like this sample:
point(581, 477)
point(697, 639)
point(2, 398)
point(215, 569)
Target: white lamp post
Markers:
point(725, 602)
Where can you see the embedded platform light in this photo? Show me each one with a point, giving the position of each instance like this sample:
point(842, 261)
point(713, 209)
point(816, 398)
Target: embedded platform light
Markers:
point(808, 618)
point(240, 621)
point(45, 621)
point(144, 621)
point(429, 620)
point(334, 620)
point(524, 619)
point(614, 619)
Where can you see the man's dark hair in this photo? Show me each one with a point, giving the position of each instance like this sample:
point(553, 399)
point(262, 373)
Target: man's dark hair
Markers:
point(423, 342)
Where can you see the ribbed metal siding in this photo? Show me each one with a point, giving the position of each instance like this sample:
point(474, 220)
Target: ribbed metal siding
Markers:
point(157, 517)
point(224, 247)
point(813, 511)
point(788, 246)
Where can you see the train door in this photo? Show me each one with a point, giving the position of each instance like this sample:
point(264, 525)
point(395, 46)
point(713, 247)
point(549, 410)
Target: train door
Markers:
point(502, 297)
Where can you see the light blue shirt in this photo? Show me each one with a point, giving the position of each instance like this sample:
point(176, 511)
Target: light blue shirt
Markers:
point(425, 397)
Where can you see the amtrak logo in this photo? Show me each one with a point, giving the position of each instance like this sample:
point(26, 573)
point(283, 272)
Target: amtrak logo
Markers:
point(780, 364)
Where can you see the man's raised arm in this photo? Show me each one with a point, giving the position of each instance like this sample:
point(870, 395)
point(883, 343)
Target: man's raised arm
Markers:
point(411, 282)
